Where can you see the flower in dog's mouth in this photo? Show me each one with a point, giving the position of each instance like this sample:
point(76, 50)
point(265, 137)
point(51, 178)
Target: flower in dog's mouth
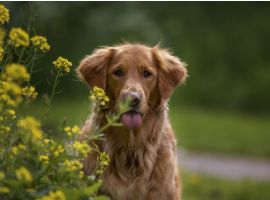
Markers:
point(131, 119)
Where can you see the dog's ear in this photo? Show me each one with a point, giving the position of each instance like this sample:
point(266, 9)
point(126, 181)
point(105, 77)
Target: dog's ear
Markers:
point(93, 68)
point(172, 71)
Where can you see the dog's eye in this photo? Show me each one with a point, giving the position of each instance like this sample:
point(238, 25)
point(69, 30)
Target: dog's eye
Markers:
point(146, 74)
point(118, 73)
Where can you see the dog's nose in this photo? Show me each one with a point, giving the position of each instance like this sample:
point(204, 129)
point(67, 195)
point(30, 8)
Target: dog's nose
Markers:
point(134, 98)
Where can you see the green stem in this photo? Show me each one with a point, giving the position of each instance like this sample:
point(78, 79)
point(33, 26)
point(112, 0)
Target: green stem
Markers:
point(21, 55)
point(109, 124)
point(32, 67)
point(54, 86)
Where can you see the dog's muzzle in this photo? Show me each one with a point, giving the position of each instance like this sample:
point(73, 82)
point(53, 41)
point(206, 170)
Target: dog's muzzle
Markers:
point(133, 118)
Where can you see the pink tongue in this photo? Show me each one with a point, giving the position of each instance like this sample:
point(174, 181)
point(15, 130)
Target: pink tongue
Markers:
point(131, 120)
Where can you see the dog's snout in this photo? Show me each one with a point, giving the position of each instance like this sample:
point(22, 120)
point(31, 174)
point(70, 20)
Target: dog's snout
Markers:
point(134, 98)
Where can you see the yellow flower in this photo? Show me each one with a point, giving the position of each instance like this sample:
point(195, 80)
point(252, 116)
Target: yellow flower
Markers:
point(82, 147)
point(72, 130)
point(4, 129)
point(21, 146)
point(62, 64)
point(73, 165)
point(1, 54)
point(4, 190)
point(58, 150)
point(29, 91)
point(81, 174)
point(104, 161)
point(15, 72)
point(11, 113)
point(57, 195)
point(44, 158)
point(46, 141)
point(14, 150)
point(18, 37)
point(2, 175)
point(98, 96)
point(30, 190)
point(41, 43)
point(31, 124)
point(23, 174)
point(4, 14)
point(10, 93)
point(2, 36)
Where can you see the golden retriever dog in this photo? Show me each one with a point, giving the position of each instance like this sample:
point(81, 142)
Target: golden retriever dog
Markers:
point(142, 151)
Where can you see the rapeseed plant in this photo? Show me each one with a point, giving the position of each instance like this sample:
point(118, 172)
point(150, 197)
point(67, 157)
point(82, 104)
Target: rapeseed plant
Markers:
point(34, 164)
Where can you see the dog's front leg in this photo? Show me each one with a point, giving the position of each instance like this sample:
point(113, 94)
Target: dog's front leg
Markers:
point(164, 182)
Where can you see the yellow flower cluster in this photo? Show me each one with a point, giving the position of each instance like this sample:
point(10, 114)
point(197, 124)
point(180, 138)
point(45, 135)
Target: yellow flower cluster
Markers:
point(18, 148)
point(41, 43)
point(4, 129)
point(18, 37)
point(8, 114)
point(4, 14)
point(2, 175)
point(2, 36)
point(32, 125)
point(73, 165)
point(44, 159)
point(57, 195)
point(23, 174)
point(82, 147)
point(58, 150)
point(4, 190)
point(62, 64)
point(10, 93)
point(16, 73)
point(104, 161)
point(29, 92)
point(10, 79)
point(47, 141)
point(98, 96)
point(1, 54)
point(70, 131)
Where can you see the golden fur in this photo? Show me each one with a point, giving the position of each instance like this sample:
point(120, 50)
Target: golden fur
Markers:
point(143, 161)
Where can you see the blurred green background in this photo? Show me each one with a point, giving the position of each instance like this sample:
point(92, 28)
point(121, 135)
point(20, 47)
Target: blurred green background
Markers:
point(224, 106)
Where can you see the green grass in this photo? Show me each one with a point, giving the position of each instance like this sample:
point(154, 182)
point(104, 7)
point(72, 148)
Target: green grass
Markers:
point(200, 187)
point(213, 131)
point(196, 129)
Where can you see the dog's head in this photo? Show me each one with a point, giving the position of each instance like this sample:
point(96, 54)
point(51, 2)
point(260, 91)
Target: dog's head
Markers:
point(147, 76)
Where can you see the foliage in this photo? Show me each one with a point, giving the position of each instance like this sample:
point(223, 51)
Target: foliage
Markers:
point(225, 44)
point(33, 163)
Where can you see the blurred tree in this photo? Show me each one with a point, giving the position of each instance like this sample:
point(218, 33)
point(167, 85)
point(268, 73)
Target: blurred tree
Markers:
point(226, 44)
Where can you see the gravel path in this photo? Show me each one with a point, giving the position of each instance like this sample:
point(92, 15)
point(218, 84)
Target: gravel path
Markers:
point(230, 167)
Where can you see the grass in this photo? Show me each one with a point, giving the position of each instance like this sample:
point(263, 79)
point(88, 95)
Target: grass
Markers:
point(196, 129)
point(196, 186)
point(213, 131)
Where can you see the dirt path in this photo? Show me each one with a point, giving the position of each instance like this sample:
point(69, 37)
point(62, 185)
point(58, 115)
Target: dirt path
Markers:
point(230, 167)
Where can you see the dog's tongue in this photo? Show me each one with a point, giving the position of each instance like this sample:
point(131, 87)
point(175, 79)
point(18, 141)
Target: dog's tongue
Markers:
point(131, 120)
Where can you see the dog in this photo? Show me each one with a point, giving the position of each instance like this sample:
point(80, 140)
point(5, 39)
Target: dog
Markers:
point(143, 151)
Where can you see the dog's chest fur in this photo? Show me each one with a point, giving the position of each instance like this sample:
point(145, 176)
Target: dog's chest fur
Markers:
point(128, 172)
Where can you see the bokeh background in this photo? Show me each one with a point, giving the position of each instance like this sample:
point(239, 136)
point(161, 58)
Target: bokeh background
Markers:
point(224, 107)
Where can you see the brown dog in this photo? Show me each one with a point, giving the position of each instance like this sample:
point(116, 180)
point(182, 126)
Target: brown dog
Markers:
point(142, 151)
